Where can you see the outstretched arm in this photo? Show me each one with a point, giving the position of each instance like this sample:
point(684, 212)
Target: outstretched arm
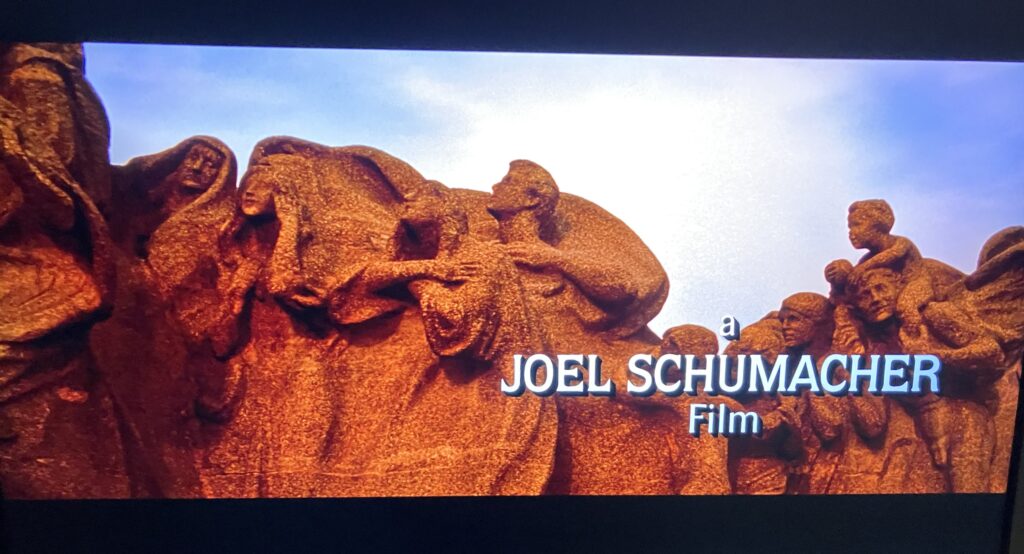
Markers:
point(386, 274)
point(603, 281)
point(899, 250)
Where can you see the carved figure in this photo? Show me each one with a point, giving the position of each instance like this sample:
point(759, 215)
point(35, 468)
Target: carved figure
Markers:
point(60, 437)
point(339, 326)
point(807, 328)
point(883, 451)
point(700, 464)
point(977, 329)
point(475, 319)
point(271, 414)
point(166, 214)
point(763, 464)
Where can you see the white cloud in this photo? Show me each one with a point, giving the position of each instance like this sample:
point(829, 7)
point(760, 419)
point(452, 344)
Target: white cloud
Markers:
point(736, 173)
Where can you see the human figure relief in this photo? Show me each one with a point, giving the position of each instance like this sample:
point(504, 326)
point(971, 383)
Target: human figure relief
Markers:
point(807, 329)
point(588, 299)
point(454, 432)
point(270, 412)
point(977, 329)
point(46, 81)
point(700, 464)
point(763, 464)
point(870, 224)
point(60, 437)
point(884, 450)
point(165, 217)
point(343, 356)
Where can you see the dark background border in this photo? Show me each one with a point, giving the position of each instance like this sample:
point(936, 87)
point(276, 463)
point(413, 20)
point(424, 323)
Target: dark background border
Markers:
point(710, 524)
point(933, 29)
point(893, 29)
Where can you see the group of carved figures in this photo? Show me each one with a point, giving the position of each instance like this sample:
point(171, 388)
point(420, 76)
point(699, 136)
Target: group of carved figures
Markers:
point(337, 325)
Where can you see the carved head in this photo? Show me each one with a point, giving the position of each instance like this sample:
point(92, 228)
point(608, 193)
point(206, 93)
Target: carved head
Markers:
point(688, 339)
point(269, 177)
point(1000, 242)
point(801, 315)
point(869, 221)
point(526, 186)
point(199, 169)
point(195, 174)
point(874, 293)
point(431, 214)
point(762, 338)
point(257, 195)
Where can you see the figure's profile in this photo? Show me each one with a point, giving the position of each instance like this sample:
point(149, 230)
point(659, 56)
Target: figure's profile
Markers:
point(327, 321)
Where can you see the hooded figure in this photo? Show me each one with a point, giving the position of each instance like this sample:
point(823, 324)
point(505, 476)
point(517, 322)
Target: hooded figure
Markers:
point(309, 218)
point(165, 216)
point(47, 82)
point(432, 420)
point(58, 433)
point(169, 206)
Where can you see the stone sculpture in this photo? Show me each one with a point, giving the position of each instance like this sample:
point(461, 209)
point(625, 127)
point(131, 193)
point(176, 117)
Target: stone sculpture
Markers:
point(884, 451)
point(339, 325)
point(807, 328)
point(976, 328)
point(61, 438)
point(166, 214)
point(763, 464)
point(585, 301)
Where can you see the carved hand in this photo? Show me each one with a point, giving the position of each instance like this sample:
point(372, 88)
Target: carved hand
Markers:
point(453, 271)
point(538, 255)
point(838, 271)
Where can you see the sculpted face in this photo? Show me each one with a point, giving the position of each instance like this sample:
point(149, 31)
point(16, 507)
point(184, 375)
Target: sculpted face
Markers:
point(875, 295)
point(757, 339)
point(257, 193)
point(200, 167)
point(863, 230)
point(511, 195)
point(688, 339)
point(797, 328)
point(422, 212)
point(194, 175)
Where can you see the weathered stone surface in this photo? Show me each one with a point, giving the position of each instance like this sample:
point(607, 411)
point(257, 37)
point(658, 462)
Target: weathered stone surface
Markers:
point(338, 325)
point(60, 435)
point(166, 215)
point(763, 465)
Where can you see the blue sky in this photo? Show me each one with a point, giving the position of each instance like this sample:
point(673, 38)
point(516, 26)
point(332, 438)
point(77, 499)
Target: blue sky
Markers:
point(736, 172)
